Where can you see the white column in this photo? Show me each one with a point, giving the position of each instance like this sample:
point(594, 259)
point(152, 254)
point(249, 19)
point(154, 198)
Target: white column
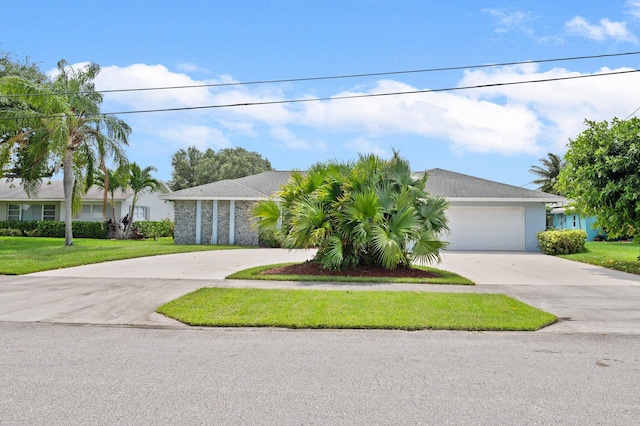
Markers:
point(199, 222)
point(214, 223)
point(232, 222)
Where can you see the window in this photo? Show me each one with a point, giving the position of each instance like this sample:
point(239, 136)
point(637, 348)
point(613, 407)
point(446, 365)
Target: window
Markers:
point(49, 212)
point(92, 211)
point(140, 213)
point(14, 212)
point(31, 212)
point(574, 221)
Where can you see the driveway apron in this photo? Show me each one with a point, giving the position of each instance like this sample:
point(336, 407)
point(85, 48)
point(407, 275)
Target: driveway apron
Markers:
point(586, 298)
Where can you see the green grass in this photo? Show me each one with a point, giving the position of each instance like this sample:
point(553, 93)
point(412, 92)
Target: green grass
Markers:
point(444, 277)
point(334, 309)
point(621, 256)
point(22, 255)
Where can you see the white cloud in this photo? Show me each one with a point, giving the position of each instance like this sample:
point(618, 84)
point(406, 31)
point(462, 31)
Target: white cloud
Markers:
point(202, 137)
point(189, 67)
point(468, 124)
point(293, 142)
point(365, 146)
point(142, 76)
point(518, 119)
point(510, 20)
point(560, 107)
point(606, 29)
point(633, 8)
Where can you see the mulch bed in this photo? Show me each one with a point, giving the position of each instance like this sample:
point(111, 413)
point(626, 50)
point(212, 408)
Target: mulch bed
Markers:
point(315, 268)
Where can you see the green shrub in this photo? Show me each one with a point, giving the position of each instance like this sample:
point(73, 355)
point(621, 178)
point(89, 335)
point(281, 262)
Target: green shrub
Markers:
point(89, 229)
point(561, 242)
point(11, 232)
point(47, 228)
point(269, 238)
point(51, 228)
point(22, 226)
point(152, 229)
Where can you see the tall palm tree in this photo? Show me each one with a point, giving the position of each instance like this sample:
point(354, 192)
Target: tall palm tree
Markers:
point(372, 211)
point(112, 181)
point(59, 124)
point(548, 173)
point(140, 181)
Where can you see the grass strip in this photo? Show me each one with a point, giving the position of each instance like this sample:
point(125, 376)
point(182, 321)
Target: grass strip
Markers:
point(621, 256)
point(335, 309)
point(444, 277)
point(23, 255)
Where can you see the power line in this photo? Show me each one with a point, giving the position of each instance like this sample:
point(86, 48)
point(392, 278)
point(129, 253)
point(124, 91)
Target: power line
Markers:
point(368, 95)
point(345, 76)
point(629, 116)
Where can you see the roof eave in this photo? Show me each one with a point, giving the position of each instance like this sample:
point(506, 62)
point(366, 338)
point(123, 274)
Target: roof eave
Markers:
point(503, 200)
point(205, 198)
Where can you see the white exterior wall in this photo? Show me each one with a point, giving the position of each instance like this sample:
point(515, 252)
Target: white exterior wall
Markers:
point(158, 209)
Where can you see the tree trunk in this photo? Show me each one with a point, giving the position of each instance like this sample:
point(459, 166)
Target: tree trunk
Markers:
point(67, 184)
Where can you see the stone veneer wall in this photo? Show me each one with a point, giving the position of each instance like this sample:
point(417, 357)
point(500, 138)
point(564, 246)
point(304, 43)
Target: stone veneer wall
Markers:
point(223, 222)
point(245, 234)
point(185, 222)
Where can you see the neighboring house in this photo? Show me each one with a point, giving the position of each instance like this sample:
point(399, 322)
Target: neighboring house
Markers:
point(483, 214)
point(563, 217)
point(48, 204)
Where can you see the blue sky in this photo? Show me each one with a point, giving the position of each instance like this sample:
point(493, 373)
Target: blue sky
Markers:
point(494, 133)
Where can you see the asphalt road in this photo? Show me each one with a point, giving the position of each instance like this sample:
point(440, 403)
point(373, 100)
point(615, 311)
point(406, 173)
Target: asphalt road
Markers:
point(66, 374)
point(100, 355)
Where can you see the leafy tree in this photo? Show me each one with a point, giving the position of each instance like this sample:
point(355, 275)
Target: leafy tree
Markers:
point(548, 173)
point(371, 212)
point(27, 69)
point(192, 167)
point(139, 181)
point(59, 125)
point(184, 164)
point(602, 174)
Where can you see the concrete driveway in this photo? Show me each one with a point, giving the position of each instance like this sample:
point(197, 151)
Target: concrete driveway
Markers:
point(587, 298)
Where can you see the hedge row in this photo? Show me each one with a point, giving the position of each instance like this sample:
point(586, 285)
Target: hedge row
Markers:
point(99, 230)
point(562, 241)
point(51, 228)
point(151, 229)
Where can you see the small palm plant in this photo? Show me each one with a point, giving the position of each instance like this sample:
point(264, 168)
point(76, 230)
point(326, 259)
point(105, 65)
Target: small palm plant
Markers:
point(369, 212)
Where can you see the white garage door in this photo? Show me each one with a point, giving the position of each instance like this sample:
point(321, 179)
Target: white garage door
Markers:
point(486, 228)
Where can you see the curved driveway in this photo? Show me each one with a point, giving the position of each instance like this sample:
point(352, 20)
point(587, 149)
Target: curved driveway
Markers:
point(587, 298)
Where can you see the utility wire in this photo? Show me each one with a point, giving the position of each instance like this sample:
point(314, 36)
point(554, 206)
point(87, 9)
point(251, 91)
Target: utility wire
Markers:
point(368, 95)
point(345, 76)
point(633, 113)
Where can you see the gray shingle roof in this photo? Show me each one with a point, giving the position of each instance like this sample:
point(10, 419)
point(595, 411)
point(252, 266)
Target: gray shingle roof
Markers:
point(49, 191)
point(449, 184)
point(441, 182)
point(260, 186)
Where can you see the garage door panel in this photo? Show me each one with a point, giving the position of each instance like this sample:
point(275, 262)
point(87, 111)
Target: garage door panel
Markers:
point(486, 228)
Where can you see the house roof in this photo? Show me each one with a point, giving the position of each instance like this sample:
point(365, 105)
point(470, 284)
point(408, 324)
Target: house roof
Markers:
point(444, 183)
point(458, 186)
point(260, 186)
point(53, 191)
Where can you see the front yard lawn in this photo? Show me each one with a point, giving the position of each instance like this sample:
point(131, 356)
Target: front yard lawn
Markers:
point(23, 255)
point(621, 256)
point(337, 309)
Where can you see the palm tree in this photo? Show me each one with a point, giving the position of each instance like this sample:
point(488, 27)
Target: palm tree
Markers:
point(372, 212)
point(548, 173)
point(140, 181)
point(60, 124)
point(112, 181)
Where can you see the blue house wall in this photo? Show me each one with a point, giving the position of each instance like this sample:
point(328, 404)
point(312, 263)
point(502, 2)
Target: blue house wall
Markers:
point(574, 221)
